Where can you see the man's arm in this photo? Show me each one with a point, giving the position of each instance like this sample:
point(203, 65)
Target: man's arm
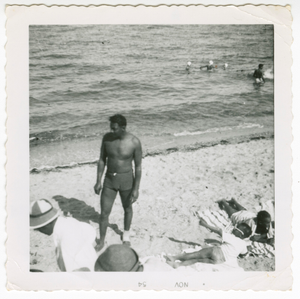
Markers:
point(260, 238)
point(100, 167)
point(263, 239)
point(137, 158)
point(210, 227)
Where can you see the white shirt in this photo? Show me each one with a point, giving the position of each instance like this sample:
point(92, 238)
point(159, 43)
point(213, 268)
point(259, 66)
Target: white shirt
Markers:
point(73, 242)
point(248, 218)
point(232, 246)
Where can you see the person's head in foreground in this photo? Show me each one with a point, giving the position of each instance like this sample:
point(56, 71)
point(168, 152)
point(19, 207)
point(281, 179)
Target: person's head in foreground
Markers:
point(260, 66)
point(242, 231)
point(117, 124)
point(118, 258)
point(263, 221)
point(43, 216)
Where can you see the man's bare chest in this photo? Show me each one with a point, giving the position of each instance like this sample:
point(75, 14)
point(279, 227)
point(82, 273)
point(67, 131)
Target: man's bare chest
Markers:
point(119, 149)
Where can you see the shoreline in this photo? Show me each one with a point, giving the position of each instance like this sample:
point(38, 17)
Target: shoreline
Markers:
point(165, 150)
point(173, 186)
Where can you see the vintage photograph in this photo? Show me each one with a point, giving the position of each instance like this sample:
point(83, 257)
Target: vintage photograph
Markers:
point(151, 148)
point(150, 140)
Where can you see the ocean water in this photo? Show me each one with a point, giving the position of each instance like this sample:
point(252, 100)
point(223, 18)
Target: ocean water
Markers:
point(81, 75)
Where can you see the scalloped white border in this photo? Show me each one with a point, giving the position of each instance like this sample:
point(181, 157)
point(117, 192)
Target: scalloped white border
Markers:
point(164, 18)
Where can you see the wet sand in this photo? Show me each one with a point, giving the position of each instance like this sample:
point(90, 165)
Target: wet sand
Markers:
point(173, 185)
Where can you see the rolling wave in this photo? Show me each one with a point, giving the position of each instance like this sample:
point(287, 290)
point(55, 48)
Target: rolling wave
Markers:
point(222, 129)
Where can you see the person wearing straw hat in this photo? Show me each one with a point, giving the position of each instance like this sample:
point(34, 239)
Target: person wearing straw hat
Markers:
point(210, 66)
point(74, 240)
point(122, 258)
point(118, 258)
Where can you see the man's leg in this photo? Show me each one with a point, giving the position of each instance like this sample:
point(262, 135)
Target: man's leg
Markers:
point(236, 205)
point(108, 197)
point(128, 212)
point(224, 205)
point(181, 264)
point(205, 253)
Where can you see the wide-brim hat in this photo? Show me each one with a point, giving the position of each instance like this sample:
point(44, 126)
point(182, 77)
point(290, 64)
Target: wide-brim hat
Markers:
point(118, 258)
point(42, 213)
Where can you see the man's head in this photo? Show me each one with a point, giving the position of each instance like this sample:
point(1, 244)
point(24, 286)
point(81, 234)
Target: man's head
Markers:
point(118, 258)
point(263, 221)
point(43, 216)
point(242, 231)
point(118, 124)
point(260, 66)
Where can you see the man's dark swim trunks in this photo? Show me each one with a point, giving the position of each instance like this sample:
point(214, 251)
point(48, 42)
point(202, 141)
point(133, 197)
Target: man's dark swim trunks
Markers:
point(119, 181)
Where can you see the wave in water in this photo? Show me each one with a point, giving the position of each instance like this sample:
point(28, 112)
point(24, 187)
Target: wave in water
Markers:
point(215, 130)
point(191, 147)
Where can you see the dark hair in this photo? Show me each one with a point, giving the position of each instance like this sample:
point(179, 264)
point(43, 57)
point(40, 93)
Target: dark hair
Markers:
point(118, 119)
point(246, 229)
point(260, 65)
point(263, 215)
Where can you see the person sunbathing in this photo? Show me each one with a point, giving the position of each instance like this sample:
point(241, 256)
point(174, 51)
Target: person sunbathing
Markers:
point(232, 246)
point(261, 224)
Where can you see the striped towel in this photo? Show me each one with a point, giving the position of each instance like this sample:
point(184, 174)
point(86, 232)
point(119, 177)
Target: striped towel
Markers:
point(221, 220)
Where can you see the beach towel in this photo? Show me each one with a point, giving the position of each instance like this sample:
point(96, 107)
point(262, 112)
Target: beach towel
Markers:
point(221, 220)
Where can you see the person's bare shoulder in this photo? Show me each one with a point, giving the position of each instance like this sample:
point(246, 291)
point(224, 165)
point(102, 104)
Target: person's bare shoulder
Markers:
point(136, 142)
point(108, 136)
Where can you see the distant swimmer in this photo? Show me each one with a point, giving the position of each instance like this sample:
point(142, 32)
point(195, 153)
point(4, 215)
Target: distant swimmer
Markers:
point(225, 66)
point(188, 66)
point(209, 67)
point(258, 74)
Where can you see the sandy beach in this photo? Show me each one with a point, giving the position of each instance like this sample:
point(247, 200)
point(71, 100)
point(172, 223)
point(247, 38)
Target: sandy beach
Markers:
point(173, 186)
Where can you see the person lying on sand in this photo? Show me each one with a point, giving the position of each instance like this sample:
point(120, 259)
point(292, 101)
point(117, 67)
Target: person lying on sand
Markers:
point(118, 150)
point(232, 246)
point(261, 224)
point(74, 240)
point(258, 74)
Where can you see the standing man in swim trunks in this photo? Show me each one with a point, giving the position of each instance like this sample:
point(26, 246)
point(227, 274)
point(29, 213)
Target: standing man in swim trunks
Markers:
point(258, 74)
point(118, 150)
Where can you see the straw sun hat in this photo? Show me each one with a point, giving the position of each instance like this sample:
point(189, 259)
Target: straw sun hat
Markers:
point(42, 213)
point(118, 258)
